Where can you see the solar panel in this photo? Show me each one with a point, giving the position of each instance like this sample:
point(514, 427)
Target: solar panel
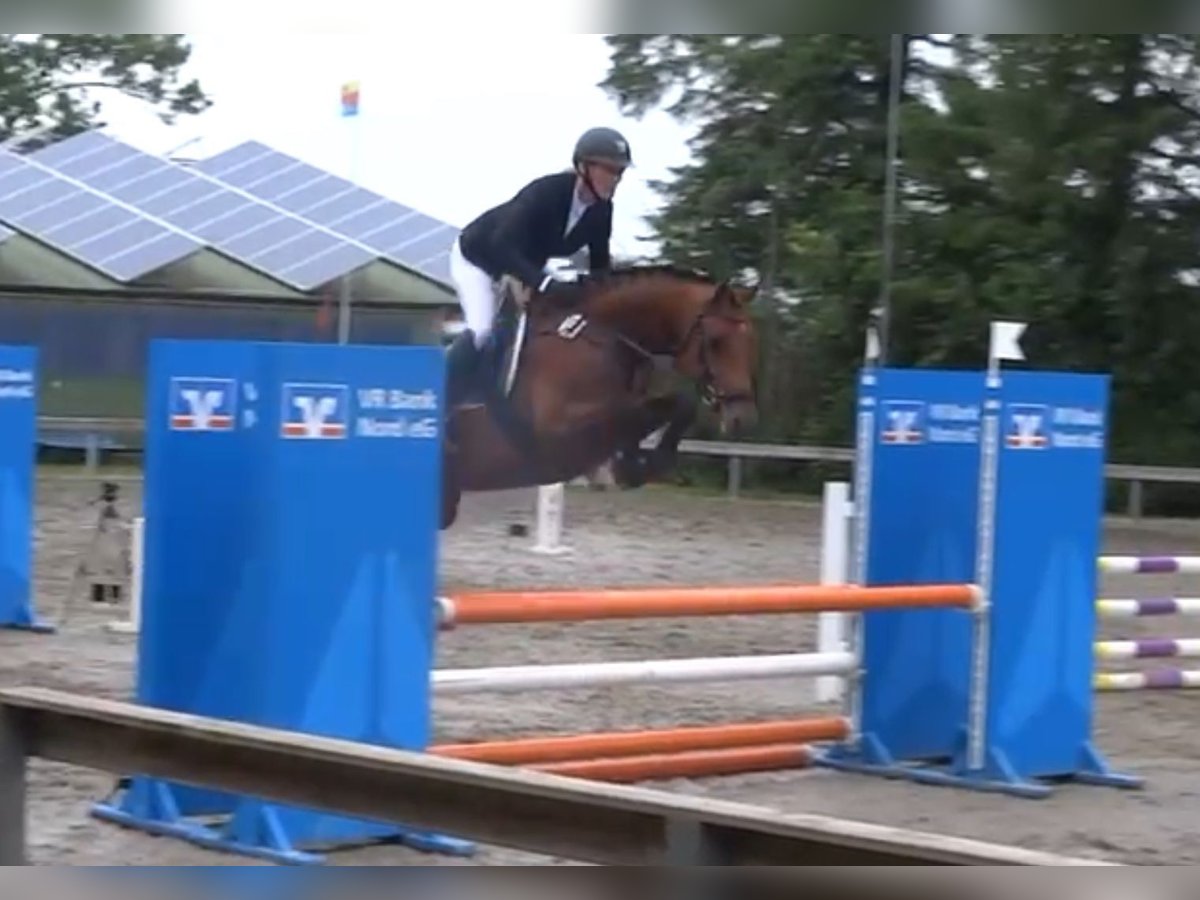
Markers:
point(116, 240)
point(393, 230)
point(257, 234)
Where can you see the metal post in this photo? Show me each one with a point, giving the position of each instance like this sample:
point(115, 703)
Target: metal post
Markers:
point(91, 453)
point(882, 312)
point(344, 312)
point(734, 477)
point(1136, 503)
point(13, 772)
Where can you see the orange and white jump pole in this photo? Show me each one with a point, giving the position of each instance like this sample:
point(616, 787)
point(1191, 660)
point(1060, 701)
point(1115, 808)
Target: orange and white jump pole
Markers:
point(516, 679)
point(690, 764)
point(582, 605)
point(600, 745)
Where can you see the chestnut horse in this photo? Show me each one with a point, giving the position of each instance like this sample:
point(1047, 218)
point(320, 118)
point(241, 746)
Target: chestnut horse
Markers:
point(585, 391)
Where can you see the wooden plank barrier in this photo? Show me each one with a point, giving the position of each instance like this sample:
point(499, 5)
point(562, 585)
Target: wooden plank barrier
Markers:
point(534, 811)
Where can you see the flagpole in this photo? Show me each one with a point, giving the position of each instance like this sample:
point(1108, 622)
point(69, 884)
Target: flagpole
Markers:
point(882, 314)
point(350, 110)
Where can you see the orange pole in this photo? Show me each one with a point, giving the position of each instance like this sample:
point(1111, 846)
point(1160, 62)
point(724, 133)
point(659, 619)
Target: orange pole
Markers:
point(528, 751)
point(696, 764)
point(502, 607)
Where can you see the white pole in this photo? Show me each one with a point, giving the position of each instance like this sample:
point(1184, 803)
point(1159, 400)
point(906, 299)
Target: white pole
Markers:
point(551, 498)
point(136, 552)
point(511, 679)
point(837, 512)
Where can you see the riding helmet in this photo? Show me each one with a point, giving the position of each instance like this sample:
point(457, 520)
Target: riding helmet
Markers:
point(603, 145)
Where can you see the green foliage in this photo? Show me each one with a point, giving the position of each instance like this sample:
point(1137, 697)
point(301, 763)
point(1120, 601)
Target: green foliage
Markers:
point(1053, 178)
point(52, 80)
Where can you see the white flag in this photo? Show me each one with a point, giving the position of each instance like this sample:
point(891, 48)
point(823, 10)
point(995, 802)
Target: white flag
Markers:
point(1006, 340)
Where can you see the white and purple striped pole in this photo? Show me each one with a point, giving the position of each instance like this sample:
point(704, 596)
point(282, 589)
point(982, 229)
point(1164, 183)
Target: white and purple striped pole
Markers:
point(1150, 565)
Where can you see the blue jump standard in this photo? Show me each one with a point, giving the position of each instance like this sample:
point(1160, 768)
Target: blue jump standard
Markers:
point(18, 459)
point(996, 482)
point(292, 505)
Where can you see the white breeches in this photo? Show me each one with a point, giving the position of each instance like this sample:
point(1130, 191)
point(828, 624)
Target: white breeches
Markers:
point(476, 294)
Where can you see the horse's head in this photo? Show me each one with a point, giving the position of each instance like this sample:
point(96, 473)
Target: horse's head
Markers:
point(704, 325)
point(720, 353)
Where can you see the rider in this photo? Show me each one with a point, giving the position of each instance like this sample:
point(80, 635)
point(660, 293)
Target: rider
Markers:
point(552, 216)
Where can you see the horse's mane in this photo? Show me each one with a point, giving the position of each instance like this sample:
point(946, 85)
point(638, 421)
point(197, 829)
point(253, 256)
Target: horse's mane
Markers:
point(590, 284)
point(620, 274)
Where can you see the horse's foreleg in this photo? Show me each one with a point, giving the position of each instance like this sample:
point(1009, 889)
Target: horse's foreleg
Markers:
point(665, 455)
point(634, 466)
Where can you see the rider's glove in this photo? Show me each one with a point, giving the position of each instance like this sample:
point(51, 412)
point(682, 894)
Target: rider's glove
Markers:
point(552, 280)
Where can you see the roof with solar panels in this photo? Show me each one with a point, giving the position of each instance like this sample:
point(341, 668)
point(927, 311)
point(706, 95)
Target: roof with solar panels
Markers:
point(92, 211)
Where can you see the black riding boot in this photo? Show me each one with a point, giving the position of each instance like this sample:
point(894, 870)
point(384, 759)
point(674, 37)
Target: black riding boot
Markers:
point(462, 365)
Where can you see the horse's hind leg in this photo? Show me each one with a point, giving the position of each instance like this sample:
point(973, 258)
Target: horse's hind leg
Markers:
point(451, 492)
point(634, 466)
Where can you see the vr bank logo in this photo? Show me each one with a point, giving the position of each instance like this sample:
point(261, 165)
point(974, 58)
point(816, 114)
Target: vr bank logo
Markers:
point(904, 422)
point(315, 411)
point(203, 404)
point(1026, 428)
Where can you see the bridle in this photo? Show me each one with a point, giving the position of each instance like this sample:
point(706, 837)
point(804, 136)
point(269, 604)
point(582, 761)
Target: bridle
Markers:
point(710, 393)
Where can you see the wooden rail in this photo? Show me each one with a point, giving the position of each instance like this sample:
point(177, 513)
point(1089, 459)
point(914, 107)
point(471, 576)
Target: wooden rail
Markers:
point(532, 811)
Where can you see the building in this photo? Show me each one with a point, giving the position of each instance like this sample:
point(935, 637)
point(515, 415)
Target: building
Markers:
point(104, 247)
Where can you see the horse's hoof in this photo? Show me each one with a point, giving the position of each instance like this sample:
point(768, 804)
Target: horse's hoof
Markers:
point(629, 471)
point(449, 513)
point(659, 467)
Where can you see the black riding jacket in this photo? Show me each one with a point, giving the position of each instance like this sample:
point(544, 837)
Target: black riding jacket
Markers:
point(518, 237)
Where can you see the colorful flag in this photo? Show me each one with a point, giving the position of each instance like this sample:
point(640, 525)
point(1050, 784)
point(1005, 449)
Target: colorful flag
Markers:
point(350, 98)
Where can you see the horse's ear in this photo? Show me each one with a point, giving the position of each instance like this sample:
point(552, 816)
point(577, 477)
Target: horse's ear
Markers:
point(746, 295)
point(725, 297)
point(734, 298)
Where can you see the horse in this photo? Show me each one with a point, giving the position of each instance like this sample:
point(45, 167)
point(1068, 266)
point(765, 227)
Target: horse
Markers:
point(575, 386)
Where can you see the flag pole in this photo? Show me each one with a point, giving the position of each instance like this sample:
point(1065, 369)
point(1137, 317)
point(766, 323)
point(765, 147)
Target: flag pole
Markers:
point(350, 110)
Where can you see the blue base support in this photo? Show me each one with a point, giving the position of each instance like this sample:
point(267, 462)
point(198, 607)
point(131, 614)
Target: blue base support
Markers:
point(259, 829)
point(996, 779)
point(1095, 770)
point(998, 774)
point(35, 626)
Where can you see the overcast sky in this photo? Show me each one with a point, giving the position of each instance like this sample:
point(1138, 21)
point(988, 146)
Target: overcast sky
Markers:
point(451, 122)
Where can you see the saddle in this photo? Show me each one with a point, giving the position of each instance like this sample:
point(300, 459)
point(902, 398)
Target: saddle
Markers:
point(502, 354)
point(510, 332)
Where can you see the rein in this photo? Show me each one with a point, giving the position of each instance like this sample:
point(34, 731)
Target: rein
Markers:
point(712, 396)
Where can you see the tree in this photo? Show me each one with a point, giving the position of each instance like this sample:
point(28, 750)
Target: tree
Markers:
point(48, 81)
point(787, 182)
point(1049, 178)
point(1059, 185)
